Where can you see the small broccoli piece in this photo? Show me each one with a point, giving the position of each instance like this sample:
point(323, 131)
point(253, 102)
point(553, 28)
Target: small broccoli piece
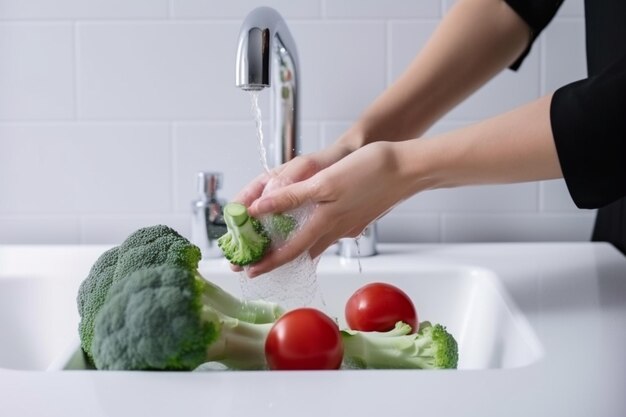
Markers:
point(430, 348)
point(246, 240)
point(160, 319)
point(147, 247)
point(280, 225)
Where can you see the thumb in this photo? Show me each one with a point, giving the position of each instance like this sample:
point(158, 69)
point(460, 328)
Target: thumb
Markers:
point(283, 199)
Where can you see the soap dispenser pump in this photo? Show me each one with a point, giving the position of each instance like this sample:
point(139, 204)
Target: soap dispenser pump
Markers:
point(207, 223)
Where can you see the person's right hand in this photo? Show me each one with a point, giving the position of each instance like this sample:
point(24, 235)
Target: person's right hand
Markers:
point(345, 197)
point(298, 169)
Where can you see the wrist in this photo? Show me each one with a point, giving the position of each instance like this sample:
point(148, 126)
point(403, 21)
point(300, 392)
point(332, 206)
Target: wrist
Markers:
point(419, 165)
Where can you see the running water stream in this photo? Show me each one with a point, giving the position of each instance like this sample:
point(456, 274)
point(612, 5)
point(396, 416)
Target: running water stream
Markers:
point(295, 283)
point(258, 121)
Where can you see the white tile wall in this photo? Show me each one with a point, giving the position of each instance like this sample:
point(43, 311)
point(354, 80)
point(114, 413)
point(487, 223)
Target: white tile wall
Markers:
point(83, 9)
point(339, 67)
point(497, 227)
point(36, 71)
point(198, 9)
point(84, 168)
point(376, 9)
point(563, 64)
point(108, 108)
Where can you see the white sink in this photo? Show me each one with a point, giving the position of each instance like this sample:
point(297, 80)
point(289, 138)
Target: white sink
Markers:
point(38, 317)
point(563, 338)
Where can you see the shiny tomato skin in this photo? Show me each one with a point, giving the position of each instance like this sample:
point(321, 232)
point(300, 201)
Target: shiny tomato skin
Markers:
point(376, 307)
point(304, 339)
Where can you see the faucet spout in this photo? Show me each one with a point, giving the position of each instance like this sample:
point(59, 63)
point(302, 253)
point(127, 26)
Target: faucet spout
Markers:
point(267, 58)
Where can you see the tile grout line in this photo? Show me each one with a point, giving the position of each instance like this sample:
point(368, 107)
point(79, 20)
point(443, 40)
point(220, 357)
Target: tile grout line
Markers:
point(170, 9)
point(173, 168)
point(322, 9)
point(75, 78)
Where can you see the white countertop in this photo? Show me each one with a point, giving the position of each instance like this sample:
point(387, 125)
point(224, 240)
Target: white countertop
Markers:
point(572, 294)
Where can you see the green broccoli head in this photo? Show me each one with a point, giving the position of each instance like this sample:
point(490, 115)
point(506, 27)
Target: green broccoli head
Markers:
point(92, 293)
point(152, 320)
point(154, 246)
point(430, 348)
point(246, 241)
point(148, 247)
point(169, 318)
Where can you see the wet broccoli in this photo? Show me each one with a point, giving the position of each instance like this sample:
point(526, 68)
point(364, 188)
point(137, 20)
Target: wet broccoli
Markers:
point(164, 318)
point(432, 347)
point(246, 241)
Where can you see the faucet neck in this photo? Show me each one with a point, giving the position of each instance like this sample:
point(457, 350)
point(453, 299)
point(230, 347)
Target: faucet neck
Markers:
point(267, 58)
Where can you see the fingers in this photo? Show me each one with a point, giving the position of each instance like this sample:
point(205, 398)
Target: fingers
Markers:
point(297, 245)
point(283, 199)
point(253, 190)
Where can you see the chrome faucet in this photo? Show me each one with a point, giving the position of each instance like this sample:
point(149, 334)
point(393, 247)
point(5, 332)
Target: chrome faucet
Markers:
point(267, 57)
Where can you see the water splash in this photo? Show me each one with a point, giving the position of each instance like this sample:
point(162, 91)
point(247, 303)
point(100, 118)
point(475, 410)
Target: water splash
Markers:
point(291, 285)
point(258, 121)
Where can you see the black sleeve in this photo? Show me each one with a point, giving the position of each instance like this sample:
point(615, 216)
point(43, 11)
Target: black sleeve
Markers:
point(588, 120)
point(537, 14)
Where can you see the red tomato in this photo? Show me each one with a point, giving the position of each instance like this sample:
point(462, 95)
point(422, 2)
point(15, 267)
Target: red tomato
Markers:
point(304, 338)
point(378, 306)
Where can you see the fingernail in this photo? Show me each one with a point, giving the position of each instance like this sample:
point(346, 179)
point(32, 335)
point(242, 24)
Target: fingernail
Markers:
point(252, 272)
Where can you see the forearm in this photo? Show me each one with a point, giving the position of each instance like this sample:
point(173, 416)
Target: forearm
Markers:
point(475, 41)
point(515, 147)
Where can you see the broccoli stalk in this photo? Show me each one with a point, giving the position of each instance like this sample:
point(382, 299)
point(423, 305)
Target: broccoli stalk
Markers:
point(169, 318)
point(430, 348)
point(246, 240)
point(251, 311)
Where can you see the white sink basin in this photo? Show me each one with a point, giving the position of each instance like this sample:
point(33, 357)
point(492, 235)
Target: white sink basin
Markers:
point(38, 317)
point(572, 294)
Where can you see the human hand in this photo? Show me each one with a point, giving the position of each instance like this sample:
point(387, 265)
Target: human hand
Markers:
point(298, 169)
point(346, 197)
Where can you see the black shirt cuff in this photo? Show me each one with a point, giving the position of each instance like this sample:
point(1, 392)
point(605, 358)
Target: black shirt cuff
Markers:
point(537, 14)
point(589, 127)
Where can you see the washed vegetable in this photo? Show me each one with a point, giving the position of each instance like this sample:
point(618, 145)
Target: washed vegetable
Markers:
point(169, 318)
point(304, 339)
point(147, 247)
point(432, 347)
point(280, 225)
point(377, 307)
point(246, 240)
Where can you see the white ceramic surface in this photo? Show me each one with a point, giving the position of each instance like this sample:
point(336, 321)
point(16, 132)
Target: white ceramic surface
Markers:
point(547, 319)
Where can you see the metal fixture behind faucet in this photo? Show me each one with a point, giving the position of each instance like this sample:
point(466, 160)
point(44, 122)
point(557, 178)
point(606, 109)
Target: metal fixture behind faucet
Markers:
point(207, 221)
point(267, 57)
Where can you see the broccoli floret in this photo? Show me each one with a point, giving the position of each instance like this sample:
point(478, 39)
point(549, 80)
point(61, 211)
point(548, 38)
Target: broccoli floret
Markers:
point(280, 225)
point(92, 293)
point(147, 247)
point(430, 348)
point(161, 319)
point(246, 240)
